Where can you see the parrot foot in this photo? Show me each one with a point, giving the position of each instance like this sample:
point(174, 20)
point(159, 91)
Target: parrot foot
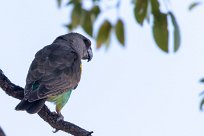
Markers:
point(60, 116)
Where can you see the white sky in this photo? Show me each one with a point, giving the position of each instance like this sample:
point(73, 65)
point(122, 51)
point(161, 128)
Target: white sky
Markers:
point(136, 91)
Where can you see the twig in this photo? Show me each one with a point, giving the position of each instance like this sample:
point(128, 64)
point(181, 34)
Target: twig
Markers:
point(2, 132)
point(48, 116)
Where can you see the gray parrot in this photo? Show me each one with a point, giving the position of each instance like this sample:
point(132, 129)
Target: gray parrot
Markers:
point(55, 72)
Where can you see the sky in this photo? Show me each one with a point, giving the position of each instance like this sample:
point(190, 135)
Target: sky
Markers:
point(133, 91)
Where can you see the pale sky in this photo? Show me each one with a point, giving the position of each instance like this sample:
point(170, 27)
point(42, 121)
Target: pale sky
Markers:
point(132, 91)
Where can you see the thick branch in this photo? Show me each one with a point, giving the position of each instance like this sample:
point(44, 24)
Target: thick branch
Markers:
point(48, 116)
point(2, 132)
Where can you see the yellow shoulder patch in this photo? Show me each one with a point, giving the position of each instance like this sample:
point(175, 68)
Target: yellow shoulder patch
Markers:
point(80, 67)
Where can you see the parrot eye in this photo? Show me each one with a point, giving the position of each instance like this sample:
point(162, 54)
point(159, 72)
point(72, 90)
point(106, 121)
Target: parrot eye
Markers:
point(87, 43)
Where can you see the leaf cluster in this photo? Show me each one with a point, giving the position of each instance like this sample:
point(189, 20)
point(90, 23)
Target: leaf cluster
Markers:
point(149, 10)
point(143, 11)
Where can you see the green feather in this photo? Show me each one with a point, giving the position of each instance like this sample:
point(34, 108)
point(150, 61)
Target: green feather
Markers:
point(35, 85)
point(60, 100)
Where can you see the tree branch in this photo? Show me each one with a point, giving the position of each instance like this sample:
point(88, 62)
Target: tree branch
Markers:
point(2, 132)
point(48, 116)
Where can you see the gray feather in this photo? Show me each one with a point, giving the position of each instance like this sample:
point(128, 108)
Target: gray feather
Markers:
point(55, 69)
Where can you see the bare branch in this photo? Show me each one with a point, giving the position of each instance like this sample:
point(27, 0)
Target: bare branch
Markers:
point(48, 116)
point(2, 132)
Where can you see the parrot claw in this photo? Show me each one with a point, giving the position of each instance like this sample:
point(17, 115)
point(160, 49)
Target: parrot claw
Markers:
point(60, 118)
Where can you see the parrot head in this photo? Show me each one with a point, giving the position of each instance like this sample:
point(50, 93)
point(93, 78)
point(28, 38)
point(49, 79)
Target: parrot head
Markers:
point(78, 42)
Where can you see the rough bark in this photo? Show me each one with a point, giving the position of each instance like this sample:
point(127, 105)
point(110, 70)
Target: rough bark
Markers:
point(2, 132)
point(17, 92)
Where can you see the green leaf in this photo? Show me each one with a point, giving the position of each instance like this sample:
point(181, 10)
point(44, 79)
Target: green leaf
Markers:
point(107, 43)
point(140, 10)
point(76, 15)
point(86, 22)
point(202, 80)
point(69, 26)
point(160, 31)
point(75, 2)
point(193, 5)
point(119, 30)
point(95, 0)
point(155, 6)
point(59, 3)
point(70, 2)
point(201, 104)
point(177, 37)
point(103, 33)
point(95, 11)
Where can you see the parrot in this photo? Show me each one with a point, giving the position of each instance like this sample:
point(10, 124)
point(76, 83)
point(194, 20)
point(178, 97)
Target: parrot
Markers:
point(55, 72)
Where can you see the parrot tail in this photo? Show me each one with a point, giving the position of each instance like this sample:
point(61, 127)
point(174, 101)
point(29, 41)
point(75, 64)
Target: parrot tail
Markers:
point(31, 107)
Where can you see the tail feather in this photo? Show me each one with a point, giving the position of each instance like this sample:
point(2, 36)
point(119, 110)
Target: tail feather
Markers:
point(31, 107)
point(35, 106)
point(23, 105)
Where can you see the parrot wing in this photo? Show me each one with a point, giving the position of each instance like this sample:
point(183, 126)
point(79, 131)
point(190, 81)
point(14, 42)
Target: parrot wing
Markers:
point(55, 69)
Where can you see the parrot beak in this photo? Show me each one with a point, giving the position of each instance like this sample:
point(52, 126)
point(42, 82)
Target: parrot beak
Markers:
point(90, 54)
